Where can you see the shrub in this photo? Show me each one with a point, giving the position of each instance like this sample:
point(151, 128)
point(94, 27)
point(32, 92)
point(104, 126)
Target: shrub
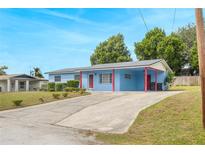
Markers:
point(17, 102)
point(44, 87)
point(72, 89)
point(82, 91)
point(169, 80)
point(73, 83)
point(41, 100)
point(59, 86)
point(51, 86)
point(69, 89)
point(64, 94)
point(56, 96)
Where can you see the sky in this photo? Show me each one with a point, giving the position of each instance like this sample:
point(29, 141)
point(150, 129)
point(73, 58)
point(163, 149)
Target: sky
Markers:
point(60, 38)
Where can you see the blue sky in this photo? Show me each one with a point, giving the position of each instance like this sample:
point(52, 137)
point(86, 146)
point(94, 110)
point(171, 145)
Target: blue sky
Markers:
point(58, 38)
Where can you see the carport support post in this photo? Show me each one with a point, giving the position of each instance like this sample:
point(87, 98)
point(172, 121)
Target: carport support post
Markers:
point(8, 85)
point(145, 79)
point(81, 79)
point(155, 84)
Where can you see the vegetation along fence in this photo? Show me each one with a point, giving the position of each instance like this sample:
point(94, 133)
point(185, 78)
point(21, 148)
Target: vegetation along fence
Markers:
point(186, 81)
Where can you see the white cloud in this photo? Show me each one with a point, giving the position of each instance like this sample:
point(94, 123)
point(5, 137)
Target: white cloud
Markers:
point(65, 16)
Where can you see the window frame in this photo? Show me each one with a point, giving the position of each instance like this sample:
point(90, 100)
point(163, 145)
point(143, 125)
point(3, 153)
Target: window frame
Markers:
point(105, 78)
point(128, 76)
point(21, 85)
point(56, 77)
point(78, 77)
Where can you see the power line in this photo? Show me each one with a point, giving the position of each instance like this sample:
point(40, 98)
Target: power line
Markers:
point(174, 19)
point(141, 15)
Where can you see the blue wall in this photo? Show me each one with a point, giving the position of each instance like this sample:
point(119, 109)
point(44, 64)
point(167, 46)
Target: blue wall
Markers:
point(85, 80)
point(161, 79)
point(136, 83)
point(99, 86)
point(140, 80)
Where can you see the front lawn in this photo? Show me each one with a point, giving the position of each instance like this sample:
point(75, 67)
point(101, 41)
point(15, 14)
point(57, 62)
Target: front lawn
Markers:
point(175, 120)
point(31, 98)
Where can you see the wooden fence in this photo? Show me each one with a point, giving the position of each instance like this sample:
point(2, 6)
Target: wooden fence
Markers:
point(186, 81)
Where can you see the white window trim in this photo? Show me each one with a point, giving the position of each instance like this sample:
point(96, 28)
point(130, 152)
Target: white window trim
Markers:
point(76, 75)
point(57, 76)
point(106, 78)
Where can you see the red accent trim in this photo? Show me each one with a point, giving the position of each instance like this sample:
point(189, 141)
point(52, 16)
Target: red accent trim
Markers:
point(81, 83)
point(113, 80)
point(145, 79)
point(155, 73)
point(148, 81)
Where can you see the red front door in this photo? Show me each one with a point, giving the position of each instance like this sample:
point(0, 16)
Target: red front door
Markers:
point(91, 81)
point(148, 82)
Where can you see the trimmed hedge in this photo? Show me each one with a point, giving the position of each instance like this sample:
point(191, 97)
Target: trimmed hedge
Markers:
point(72, 89)
point(60, 86)
point(73, 83)
point(51, 86)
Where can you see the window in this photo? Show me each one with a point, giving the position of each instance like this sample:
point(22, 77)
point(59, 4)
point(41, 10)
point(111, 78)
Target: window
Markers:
point(57, 78)
point(105, 78)
point(77, 77)
point(21, 85)
point(127, 76)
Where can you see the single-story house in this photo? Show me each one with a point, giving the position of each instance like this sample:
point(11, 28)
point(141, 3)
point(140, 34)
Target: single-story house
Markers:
point(20, 82)
point(143, 75)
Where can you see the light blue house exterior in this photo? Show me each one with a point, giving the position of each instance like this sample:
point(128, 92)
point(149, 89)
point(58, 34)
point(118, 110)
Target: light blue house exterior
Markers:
point(148, 75)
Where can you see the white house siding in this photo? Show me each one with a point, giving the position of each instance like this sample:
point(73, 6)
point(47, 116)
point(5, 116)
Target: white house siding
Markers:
point(3, 85)
point(64, 77)
point(159, 66)
point(35, 85)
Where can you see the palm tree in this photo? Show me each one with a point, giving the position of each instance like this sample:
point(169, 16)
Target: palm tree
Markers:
point(37, 72)
point(2, 70)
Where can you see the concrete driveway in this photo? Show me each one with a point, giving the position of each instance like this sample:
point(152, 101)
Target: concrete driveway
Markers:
point(56, 123)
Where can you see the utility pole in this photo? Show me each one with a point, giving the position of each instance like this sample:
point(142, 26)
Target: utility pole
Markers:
point(201, 55)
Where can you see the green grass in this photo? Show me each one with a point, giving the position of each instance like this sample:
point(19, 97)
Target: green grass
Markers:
point(30, 98)
point(175, 120)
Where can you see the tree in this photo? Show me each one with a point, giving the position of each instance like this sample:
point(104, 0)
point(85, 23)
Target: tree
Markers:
point(37, 72)
point(173, 50)
point(111, 51)
point(193, 59)
point(147, 48)
point(188, 35)
point(2, 70)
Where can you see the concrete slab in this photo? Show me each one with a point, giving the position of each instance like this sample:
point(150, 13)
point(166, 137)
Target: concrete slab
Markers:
point(114, 115)
point(48, 123)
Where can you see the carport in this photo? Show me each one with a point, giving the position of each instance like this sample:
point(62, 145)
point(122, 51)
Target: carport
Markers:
point(139, 79)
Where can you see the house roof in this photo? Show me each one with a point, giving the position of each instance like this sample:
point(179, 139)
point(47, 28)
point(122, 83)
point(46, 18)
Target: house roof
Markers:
point(136, 64)
point(9, 76)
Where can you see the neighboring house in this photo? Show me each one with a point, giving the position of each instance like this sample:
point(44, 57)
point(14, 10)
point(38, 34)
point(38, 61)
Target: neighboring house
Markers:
point(126, 76)
point(20, 82)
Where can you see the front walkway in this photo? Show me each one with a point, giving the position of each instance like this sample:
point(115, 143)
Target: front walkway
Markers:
point(55, 123)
